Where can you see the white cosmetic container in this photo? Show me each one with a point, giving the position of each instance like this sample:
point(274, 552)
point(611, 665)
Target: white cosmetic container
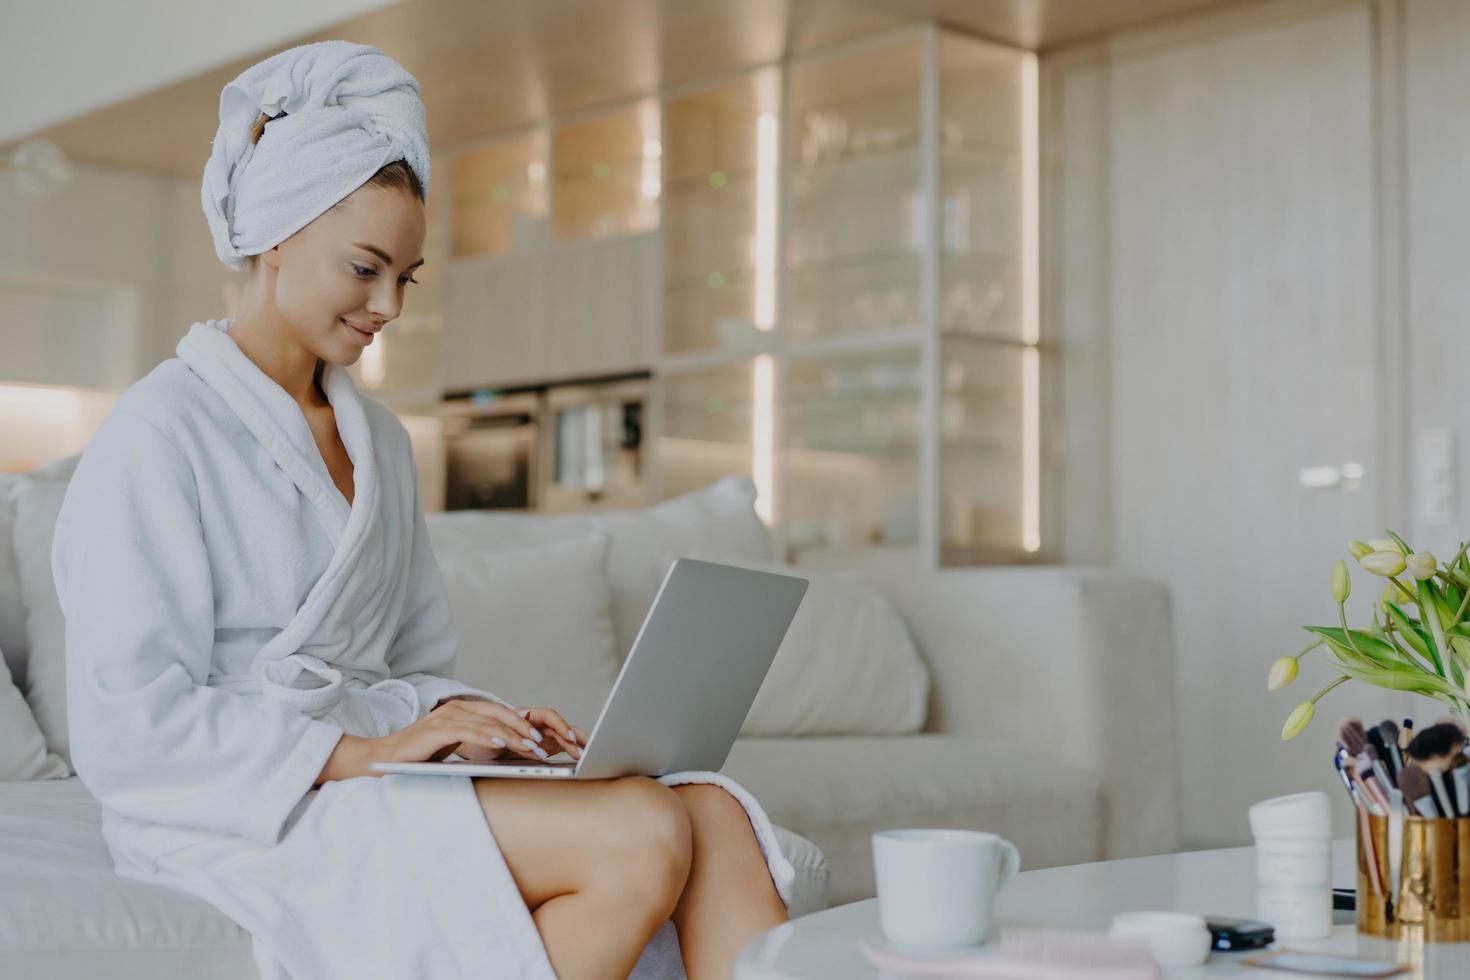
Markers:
point(1294, 864)
point(1177, 938)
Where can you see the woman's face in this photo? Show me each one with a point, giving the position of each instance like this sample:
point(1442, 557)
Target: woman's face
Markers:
point(351, 265)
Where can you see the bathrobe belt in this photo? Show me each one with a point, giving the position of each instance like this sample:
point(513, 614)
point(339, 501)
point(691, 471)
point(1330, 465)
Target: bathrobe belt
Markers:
point(276, 680)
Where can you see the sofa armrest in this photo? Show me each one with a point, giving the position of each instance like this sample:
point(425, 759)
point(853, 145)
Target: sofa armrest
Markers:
point(1070, 662)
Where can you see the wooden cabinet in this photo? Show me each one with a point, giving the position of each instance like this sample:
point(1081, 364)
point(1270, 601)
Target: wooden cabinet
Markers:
point(570, 310)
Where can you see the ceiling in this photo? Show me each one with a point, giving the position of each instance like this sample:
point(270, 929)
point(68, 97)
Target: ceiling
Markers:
point(488, 66)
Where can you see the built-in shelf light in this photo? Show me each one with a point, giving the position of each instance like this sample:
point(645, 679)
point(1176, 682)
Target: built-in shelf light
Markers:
point(1030, 308)
point(765, 221)
point(763, 436)
point(650, 183)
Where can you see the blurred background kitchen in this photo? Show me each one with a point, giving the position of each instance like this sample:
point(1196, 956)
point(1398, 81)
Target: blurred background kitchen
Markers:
point(1173, 285)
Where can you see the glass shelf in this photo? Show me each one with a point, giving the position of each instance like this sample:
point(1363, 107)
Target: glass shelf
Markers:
point(720, 172)
point(606, 178)
point(858, 419)
point(849, 462)
point(498, 197)
point(707, 426)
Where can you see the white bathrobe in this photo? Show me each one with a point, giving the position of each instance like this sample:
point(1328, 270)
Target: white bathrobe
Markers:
point(228, 616)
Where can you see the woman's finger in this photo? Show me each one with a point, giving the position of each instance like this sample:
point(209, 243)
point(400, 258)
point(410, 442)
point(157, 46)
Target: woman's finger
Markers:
point(509, 717)
point(552, 719)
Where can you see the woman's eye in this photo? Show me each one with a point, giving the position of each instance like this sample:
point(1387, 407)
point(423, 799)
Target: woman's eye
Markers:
point(363, 271)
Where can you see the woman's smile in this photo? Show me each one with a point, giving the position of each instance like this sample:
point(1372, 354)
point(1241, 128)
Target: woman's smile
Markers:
point(363, 336)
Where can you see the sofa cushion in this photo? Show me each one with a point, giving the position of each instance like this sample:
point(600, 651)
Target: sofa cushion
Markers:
point(837, 790)
point(846, 665)
point(64, 911)
point(720, 516)
point(37, 505)
point(13, 643)
point(534, 624)
point(23, 753)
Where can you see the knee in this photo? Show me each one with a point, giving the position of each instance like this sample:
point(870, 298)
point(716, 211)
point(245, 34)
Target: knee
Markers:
point(713, 812)
point(653, 844)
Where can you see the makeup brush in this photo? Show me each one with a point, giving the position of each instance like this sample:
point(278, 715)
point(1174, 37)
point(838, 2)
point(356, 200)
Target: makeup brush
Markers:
point(1390, 733)
point(1352, 735)
point(1460, 783)
point(1347, 781)
point(1385, 781)
point(1380, 745)
point(1406, 735)
point(1368, 779)
point(1355, 739)
point(1433, 750)
point(1418, 793)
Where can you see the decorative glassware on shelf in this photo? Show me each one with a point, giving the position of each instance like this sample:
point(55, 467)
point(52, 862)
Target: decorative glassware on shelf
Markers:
point(606, 178)
point(498, 196)
point(719, 215)
point(989, 360)
point(903, 353)
point(856, 229)
point(980, 450)
point(708, 417)
point(852, 443)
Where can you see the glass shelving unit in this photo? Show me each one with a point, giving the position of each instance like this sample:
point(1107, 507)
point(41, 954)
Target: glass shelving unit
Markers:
point(874, 360)
point(498, 196)
point(719, 214)
point(606, 173)
point(707, 416)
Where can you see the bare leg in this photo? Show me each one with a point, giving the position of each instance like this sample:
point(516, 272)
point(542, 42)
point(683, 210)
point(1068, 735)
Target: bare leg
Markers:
point(600, 864)
point(729, 898)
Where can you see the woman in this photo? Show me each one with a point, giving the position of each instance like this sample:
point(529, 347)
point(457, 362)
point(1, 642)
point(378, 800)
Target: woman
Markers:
point(254, 615)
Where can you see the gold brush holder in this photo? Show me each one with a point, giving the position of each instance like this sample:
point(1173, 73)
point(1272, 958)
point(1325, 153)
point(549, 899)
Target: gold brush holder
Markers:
point(1432, 903)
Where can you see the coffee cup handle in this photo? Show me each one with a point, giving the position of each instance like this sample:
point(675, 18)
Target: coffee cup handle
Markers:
point(1010, 863)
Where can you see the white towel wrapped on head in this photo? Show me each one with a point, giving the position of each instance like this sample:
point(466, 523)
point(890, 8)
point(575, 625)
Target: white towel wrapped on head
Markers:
point(349, 110)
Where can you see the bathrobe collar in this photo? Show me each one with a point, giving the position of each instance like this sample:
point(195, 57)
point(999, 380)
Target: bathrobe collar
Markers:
point(276, 420)
point(288, 665)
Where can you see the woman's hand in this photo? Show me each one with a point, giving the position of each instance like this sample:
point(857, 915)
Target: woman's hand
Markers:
point(486, 728)
point(545, 721)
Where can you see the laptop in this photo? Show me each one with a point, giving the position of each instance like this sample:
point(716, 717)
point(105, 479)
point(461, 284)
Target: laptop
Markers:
point(684, 691)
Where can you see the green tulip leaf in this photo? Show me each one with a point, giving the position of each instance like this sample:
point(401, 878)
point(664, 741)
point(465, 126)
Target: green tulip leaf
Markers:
point(1408, 629)
point(1400, 542)
point(1364, 646)
point(1420, 683)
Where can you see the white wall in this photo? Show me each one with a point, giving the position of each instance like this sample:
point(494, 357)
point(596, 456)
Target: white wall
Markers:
point(73, 56)
point(1436, 39)
point(1251, 238)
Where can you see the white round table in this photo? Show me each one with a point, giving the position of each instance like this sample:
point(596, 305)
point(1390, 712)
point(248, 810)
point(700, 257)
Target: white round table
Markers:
point(823, 946)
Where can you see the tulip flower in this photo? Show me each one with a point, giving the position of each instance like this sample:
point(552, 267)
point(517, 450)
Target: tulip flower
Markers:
point(1296, 722)
point(1359, 548)
point(1382, 544)
point(1342, 586)
point(1394, 593)
point(1383, 562)
point(1421, 565)
point(1283, 672)
point(1301, 716)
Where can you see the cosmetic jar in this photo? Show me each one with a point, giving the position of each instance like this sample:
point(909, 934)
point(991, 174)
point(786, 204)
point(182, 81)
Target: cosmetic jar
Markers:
point(1176, 938)
point(1293, 836)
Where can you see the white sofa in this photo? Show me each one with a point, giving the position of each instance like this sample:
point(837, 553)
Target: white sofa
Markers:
point(1047, 717)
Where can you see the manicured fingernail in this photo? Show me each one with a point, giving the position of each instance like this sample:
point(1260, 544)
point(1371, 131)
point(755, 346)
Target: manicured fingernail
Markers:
point(540, 752)
point(524, 712)
point(497, 741)
point(535, 734)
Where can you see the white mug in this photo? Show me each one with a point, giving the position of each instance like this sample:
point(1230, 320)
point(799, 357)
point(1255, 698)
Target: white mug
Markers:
point(936, 888)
